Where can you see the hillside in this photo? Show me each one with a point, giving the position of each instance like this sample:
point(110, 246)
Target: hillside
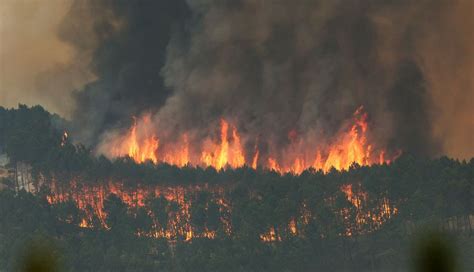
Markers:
point(122, 215)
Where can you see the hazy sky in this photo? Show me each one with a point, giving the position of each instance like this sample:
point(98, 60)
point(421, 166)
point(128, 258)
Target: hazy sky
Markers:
point(35, 65)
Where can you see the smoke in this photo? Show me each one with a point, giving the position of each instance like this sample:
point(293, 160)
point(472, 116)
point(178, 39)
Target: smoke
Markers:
point(127, 63)
point(279, 66)
point(297, 66)
point(446, 57)
point(269, 67)
point(36, 65)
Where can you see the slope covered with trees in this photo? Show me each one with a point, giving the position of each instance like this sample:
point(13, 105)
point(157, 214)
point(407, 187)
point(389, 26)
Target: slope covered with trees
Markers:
point(103, 215)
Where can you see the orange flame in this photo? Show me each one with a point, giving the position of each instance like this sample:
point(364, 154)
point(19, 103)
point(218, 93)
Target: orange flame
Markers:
point(348, 147)
point(142, 148)
point(178, 224)
point(227, 152)
point(181, 155)
point(90, 200)
point(255, 159)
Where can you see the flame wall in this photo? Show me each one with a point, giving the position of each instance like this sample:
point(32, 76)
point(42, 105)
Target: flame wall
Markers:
point(227, 149)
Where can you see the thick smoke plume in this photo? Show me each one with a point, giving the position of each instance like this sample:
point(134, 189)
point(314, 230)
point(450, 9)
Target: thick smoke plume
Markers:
point(277, 70)
point(127, 62)
point(300, 66)
point(278, 66)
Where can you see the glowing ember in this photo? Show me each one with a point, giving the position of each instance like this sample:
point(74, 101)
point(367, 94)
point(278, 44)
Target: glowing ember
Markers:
point(375, 218)
point(90, 200)
point(177, 203)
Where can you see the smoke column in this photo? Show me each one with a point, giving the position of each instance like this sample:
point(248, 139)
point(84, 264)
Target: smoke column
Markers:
point(271, 67)
point(275, 66)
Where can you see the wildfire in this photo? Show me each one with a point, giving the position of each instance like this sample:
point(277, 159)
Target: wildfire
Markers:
point(226, 152)
point(90, 200)
point(179, 200)
point(351, 145)
point(139, 148)
point(355, 198)
point(375, 218)
point(226, 149)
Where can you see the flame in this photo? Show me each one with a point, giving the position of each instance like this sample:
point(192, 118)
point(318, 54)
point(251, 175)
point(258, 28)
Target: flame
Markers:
point(226, 152)
point(270, 236)
point(273, 165)
point(358, 199)
point(181, 155)
point(84, 224)
point(255, 159)
point(179, 220)
point(140, 143)
point(351, 145)
point(355, 198)
point(90, 200)
point(292, 227)
point(141, 149)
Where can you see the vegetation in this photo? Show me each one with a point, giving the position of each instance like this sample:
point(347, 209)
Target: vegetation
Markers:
point(335, 229)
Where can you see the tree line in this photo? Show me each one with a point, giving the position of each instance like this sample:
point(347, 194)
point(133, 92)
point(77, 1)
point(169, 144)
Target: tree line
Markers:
point(315, 224)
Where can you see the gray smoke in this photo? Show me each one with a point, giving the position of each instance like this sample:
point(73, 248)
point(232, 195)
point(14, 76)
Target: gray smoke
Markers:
point(276, 66)
point(131, 52)
point(269, 67)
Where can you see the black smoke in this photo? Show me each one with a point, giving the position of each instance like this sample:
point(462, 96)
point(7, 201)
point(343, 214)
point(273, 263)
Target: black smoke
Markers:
point(127, 61)
point(268, 66)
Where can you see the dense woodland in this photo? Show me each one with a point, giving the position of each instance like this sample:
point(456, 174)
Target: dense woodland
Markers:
point(331, 231)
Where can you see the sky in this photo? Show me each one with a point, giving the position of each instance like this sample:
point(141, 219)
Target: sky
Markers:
point(36, 65)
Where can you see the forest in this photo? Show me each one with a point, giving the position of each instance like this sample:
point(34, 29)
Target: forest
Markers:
point(88, 213)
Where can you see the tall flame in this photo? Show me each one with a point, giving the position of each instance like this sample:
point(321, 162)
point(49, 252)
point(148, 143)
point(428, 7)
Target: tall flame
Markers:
point(349, 146)
point(142, 148)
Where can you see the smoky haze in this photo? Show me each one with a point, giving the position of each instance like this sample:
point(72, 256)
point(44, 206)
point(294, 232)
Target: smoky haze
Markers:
point(299, 65)
point(36, 65)
point(271, 67)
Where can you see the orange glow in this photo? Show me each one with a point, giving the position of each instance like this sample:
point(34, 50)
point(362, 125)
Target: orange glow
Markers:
point(270, 236)
point(178, 224)
point(90, 200)
point(255, 159)
point(372, 218)
point(355, 198)
point(228, 152)
point(292, 227)
point(273, 165)
point(181, 155)
point(84, 223)
point(349, 146)
point(139, 148)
